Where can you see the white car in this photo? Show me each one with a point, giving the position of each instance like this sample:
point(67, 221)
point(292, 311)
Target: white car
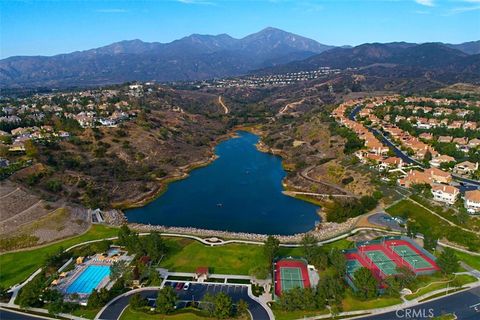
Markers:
point(186, 286)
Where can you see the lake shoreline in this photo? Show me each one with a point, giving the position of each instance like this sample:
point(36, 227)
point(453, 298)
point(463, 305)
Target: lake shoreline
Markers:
point(184, 172)
point(179, 174)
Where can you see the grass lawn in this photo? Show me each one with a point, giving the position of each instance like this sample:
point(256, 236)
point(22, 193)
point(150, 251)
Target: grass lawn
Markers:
point(17, 266)
point(299, 314)
point(350, 303)
point(472, 261)
point(428, 222)
point(86, 313)
point(462, 279)
point(184, 314)
point(187, 255)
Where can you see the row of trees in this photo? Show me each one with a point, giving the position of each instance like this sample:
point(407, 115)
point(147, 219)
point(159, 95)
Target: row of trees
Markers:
point(342, 210)
point(219, 306)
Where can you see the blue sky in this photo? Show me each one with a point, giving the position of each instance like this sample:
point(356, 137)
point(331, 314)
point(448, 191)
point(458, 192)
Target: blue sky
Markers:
point(53, 27)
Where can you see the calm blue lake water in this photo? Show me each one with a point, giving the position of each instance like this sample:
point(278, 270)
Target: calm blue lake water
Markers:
point(240, 191)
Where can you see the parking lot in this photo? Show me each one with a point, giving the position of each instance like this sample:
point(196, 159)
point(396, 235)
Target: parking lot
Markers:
point(195, 292)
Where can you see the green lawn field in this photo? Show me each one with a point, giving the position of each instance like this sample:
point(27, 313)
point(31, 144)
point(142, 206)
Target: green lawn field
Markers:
point(185, 314)
point(472, 261)
point(187, 255)
point(17, 266)
point(428, 222)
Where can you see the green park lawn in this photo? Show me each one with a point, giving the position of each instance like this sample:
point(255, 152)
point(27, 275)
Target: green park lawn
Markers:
point(187, 255)
point(429, 223)
point(462, 280)
point(184, 314)
point(472, 261)
point(17, 266)
point(351, 303)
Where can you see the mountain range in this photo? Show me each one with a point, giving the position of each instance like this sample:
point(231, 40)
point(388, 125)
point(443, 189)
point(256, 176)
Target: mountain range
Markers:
point(198, 57)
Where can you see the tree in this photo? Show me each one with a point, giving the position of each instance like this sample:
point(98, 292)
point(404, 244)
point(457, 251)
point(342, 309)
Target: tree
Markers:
point(154, 246)
point(242, 308)
point(30, 149)
point(429, 241)
point(30, 294)
point(117, 269)
point(319, 258)
point(365, 283)
point(405, 276)
point(166, 300)
point(223, 306)
point(270, 249)
point(309, 243)
point(154, 277)
point(337, 260)
point(448, 261)
point(427, 157)
point(138, 302)
point(208, 303)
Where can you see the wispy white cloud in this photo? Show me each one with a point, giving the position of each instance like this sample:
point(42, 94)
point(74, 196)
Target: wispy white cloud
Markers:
point(111, 10)
point(200, 2)
point(428, 3)
point(459, 10)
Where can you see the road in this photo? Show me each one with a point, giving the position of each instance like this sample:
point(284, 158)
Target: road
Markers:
point(460, 303)
point(195, 293)
point(16, 315)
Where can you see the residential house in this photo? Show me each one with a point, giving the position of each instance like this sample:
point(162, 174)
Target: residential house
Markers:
point(465, 167)
point(437, 161)
point(474, 143)
point(445, 139)
point(414, 177)
point(472, 201)
point(445, 193)
point(426, 136)
point(391, 162)
point(439, 176)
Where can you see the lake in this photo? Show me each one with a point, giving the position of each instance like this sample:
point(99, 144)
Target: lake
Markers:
point(240, 191)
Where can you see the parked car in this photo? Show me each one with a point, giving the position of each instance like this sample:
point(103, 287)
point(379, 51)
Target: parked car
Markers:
point(179, 286)
point(186, 286)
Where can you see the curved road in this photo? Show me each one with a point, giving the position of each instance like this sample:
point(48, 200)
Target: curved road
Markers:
point(196, 292)
point(17, 315)
point(462, 304)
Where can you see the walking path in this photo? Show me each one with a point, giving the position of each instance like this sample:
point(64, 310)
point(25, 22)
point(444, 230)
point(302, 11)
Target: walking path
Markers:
point(439, 216)
point(6, 195)
point(15, 216)
point(306, 171)
point(326, 195)
point(225, 108)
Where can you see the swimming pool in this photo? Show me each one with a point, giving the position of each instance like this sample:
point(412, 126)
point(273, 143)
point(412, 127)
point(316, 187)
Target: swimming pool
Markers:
point(89, 279)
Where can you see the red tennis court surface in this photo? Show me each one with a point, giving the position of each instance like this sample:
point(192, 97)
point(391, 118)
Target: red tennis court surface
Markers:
point(289, 273)
point(378, 254)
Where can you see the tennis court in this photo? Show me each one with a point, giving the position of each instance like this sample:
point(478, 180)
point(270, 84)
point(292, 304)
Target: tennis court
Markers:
point(291, 278)
point(384, 263)
point(352, 266)
point(413, 258)
point(290, 273)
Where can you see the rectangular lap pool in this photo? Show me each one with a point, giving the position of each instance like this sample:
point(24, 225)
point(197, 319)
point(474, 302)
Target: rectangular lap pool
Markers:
point(89, 279)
